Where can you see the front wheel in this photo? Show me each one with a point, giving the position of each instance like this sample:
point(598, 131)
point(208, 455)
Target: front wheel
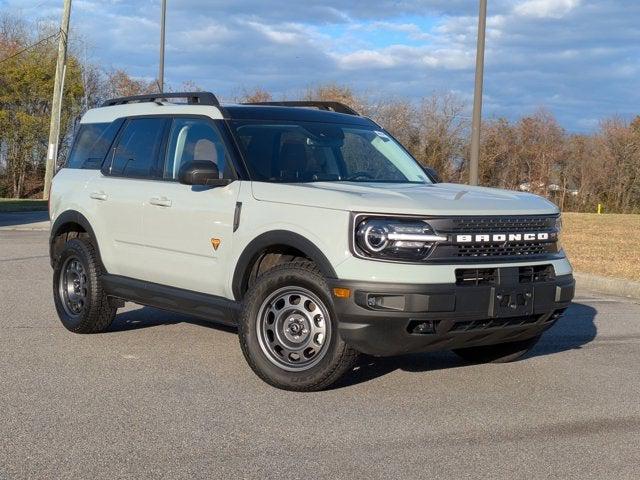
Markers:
point(288, 330)
point(78, 293)
point(499, 353)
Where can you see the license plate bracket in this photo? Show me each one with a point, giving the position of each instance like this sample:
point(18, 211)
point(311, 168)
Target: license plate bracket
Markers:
point(511, 302)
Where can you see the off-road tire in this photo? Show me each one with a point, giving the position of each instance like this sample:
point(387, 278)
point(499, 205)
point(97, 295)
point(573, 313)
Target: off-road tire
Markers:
point(338, 357)
point(499, 353)
point(97, 313)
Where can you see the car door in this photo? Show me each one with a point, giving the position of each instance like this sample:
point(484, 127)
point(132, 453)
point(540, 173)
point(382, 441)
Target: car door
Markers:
point(121, 192)
point(188, 229)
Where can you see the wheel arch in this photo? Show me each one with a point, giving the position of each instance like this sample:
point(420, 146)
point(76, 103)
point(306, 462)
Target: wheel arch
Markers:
point(275, 240)
point(71, 221)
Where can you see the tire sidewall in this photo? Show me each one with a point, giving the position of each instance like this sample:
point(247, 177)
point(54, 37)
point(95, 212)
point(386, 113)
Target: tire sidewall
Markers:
point(247, 329)
point(78, 249)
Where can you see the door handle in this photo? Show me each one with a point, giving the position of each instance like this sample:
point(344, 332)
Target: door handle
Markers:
point(160, 201)
point(98, 196)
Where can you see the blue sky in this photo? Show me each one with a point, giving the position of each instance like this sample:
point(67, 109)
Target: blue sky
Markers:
point(580, 59)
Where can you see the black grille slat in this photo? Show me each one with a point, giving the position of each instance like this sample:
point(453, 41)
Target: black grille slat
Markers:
point(502, 224)
point(476, 276)
point(464, 244)
point(504, 250)
point(536, 273)
point(479, 325)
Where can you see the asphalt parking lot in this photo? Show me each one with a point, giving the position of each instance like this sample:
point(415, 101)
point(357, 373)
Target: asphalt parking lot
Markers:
point(166, 396)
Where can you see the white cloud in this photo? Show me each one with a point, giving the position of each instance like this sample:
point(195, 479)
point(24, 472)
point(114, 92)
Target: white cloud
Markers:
point(286, 34)
point(545, 8)
point(406, 58)
point(579, 58)
point(365, 59)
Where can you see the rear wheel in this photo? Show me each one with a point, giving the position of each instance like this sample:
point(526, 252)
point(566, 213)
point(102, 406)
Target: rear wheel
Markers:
point(499, 353)
point(288, 330)
point(82, 305)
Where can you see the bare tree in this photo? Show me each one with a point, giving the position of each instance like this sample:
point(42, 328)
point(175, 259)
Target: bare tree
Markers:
point(119, 83)
point(443, 135)
point(258, 94)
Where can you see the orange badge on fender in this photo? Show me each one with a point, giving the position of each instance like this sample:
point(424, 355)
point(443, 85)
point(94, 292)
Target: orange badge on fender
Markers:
point(215, 243)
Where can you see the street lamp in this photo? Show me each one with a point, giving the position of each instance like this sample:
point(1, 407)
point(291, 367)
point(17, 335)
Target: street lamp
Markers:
point(477, 96)
point(162, 28)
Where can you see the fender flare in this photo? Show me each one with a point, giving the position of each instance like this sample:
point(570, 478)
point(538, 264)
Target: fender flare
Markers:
point(271, 239)
point(67, 217)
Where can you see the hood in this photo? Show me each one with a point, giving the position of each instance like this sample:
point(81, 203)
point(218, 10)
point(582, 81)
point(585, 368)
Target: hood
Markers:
point(415, 199)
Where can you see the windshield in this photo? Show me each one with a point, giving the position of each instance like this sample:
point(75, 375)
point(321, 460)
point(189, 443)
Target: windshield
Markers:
point(278, 151)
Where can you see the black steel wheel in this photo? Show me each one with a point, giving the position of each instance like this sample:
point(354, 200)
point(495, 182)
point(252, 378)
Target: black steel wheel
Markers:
point(288, 329)
point(82, 305)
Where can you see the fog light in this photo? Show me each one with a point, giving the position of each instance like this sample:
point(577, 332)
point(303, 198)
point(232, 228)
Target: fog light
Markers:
point(423, 327)
point(386, 302)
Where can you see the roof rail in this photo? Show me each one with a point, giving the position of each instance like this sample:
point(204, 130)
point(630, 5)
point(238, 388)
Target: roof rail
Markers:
point(193, 98)
point(330, 106)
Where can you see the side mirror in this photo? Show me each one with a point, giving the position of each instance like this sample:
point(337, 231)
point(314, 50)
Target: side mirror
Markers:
point(201, 172)
point(433, 175)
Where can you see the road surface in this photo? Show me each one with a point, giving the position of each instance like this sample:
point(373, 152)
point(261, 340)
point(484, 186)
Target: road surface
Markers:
point(165, 396)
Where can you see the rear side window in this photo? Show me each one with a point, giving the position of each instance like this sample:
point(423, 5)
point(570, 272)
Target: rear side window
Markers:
point(137, 152)
point(91, 144)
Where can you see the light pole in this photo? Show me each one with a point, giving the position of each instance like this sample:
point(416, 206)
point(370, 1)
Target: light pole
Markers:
point(56, 104)
point(477, 96)
point(162, 28)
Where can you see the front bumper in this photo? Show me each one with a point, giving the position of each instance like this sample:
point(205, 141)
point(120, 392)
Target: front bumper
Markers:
point(385, 319)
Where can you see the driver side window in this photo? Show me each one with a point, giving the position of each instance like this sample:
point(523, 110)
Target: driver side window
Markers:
point(191, 140)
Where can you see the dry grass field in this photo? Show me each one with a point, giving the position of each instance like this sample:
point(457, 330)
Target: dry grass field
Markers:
point(607, 245)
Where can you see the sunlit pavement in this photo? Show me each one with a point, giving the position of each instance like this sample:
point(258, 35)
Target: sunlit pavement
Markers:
point(165, 396)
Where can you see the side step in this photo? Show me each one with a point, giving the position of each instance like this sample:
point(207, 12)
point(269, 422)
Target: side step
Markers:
point(201, 305)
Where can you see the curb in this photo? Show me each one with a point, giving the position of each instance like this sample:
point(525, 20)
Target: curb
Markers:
point(31, 221)
point(27, 209)
point(613, 286)
point(26, 228)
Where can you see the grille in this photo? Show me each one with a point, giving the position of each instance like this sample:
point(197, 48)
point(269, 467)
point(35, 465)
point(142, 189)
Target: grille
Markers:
point(505, 250)
point(475, 276)
point(475, 325)
point(536, 273)
point(502, 224)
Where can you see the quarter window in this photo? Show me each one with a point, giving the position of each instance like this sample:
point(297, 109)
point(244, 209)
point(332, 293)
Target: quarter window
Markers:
point(139, 146)
point(192, 140)
point(91, 144)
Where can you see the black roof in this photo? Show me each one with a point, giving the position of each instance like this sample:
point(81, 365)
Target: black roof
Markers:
point(302, 111)
point(268, 112)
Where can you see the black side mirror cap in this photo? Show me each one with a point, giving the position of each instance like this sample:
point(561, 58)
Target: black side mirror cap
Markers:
point(203, 173)
point(433, 175)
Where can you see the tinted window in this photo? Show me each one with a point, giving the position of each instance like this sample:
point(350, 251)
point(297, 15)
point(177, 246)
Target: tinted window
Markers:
point(136, 154)
point(195, 139)
point(360, 153)
point(91, 144)
point(324, 152)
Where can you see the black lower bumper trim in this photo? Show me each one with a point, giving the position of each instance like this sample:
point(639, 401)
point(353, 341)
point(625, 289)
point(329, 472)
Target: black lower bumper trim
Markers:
point(389, 319)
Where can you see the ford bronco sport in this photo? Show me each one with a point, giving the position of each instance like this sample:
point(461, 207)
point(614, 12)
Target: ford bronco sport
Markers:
point(306, 225)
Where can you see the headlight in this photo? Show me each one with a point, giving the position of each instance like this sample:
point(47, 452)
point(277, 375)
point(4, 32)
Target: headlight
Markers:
point(559, 223)
point(559, 231)
point(395, 238)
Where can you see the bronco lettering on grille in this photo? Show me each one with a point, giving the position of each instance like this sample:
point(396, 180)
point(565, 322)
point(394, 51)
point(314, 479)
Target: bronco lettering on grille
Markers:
point(502, 237)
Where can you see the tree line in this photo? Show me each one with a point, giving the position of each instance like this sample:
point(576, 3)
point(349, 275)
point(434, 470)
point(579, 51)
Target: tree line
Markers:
point(533, 153)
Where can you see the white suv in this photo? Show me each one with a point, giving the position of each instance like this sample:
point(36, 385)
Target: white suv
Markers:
point(304, 224)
